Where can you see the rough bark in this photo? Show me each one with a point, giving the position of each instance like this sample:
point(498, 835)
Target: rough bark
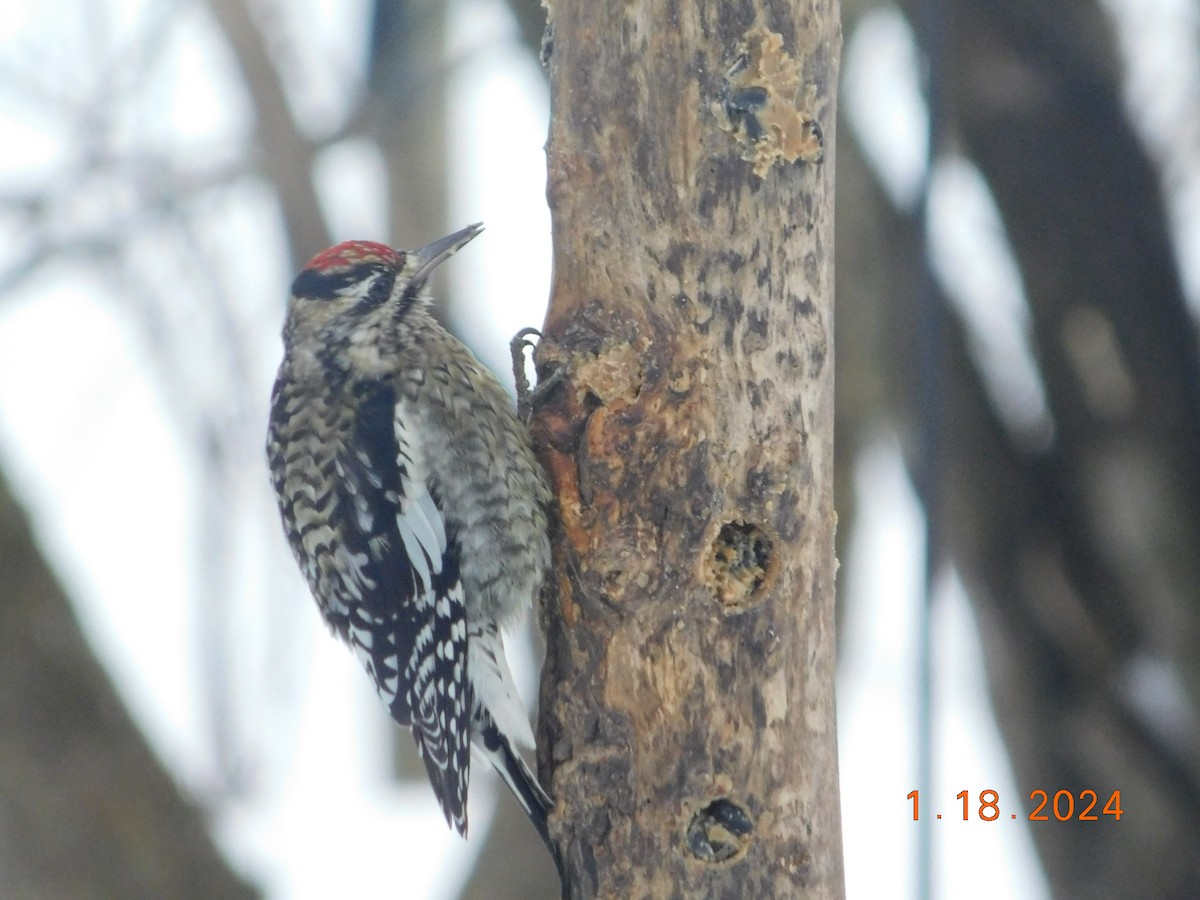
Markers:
point(687, 725)
point(86, 809)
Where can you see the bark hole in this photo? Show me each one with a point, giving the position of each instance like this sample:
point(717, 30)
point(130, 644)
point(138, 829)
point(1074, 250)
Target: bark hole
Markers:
point(719, 832)
point(741, 559)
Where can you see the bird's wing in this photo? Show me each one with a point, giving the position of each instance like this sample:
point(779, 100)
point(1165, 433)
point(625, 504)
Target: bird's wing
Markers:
point(412, 632)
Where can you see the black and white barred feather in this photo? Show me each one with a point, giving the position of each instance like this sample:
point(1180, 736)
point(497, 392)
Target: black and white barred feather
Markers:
point(414, 506)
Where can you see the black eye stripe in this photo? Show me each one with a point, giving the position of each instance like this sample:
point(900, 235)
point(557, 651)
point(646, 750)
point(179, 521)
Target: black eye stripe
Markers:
point(320, 285)
point(311, 283)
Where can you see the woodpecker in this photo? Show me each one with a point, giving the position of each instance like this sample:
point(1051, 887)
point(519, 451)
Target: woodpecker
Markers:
point(414, 506)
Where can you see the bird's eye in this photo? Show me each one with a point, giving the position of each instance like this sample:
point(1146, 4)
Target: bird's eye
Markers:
point(381, 288)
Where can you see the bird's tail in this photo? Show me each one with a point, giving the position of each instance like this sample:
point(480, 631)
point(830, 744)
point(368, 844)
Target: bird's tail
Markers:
point(499, 722)
point(524, 785)
point(516, 774)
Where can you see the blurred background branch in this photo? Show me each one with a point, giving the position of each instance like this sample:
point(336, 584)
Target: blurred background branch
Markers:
point(86, 808)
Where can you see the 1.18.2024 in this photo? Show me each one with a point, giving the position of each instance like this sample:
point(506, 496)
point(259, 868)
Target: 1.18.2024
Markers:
point(1064, 806)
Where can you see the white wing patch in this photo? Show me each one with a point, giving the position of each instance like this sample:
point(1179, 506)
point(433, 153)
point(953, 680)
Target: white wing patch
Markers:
point(419, 521)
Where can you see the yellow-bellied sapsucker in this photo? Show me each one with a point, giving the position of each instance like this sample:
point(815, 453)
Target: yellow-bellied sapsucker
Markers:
point(413, 504)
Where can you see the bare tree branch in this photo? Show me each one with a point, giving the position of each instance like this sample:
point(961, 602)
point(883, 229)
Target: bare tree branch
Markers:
point(285, 153)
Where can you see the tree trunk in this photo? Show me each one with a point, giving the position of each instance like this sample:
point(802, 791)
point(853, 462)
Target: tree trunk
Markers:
point(688, 717)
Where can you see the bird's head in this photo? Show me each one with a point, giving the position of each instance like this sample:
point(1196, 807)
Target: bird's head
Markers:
point(359, 289)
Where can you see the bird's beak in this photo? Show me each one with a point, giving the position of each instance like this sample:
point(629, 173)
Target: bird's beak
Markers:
point(434, 254)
